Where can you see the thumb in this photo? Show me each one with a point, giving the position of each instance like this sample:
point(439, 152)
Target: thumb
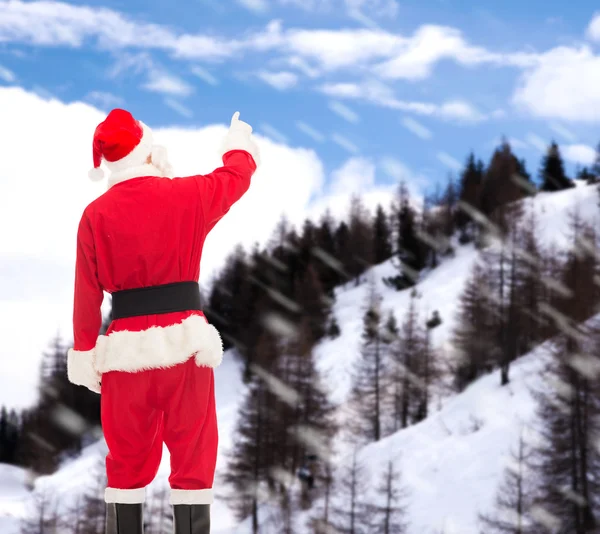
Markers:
point(235, 118)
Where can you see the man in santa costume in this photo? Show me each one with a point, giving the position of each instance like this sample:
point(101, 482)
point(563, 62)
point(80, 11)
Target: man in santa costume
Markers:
point(141, 241)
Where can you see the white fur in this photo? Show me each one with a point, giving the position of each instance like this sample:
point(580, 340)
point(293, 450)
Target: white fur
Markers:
point(96, 174)
point(81, 369)
point(160, 347)
point(203, 496)
point(241, 140)
point(160, 159)
point(137, 156)
point(134, 172)
point(125, 496)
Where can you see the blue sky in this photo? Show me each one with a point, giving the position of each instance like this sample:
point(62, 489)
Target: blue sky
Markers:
point(416, 81)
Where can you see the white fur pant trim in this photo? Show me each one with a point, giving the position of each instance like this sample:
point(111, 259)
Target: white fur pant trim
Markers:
point(125, 496)
point(203, 496)
point(160, 347)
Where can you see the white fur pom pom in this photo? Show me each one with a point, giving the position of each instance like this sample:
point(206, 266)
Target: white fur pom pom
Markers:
point(160, 159)
point(95, 175)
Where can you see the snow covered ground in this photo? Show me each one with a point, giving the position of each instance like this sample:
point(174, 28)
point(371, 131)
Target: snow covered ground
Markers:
point(451, 462)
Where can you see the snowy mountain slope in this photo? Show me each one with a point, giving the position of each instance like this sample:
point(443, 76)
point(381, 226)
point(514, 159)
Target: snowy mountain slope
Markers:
point(451, 462)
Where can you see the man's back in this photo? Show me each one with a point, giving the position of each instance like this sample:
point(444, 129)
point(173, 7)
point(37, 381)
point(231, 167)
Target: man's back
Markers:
point(149, 231)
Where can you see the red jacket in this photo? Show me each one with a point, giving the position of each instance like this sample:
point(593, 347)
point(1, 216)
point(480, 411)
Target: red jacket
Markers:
point(149, 230)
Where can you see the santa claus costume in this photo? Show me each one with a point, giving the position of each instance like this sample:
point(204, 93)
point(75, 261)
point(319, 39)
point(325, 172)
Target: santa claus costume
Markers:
point(141, 241)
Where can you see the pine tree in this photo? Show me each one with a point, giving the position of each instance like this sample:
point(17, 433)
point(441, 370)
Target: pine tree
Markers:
point(516, 495)
point(500, 191)
point(406, 367)
point(308, 415)
point(256, 450)
point(248, 462)
point(312, 300)
point(367, 392)
point(331, 271)
point(585, 175)
point(409, 250)
point(570, 461)
point(351, 513)
point(429, 369)
point(473, 334)
point(382, 237)
point(43, 518)
point(390, 516)
point(9, 436)
point(343, 251)
point(360, 239)
point(552, 172)
point(596, 167)
point(531, 293)
point(471, 181)
point(93, 517)
point(448, 207)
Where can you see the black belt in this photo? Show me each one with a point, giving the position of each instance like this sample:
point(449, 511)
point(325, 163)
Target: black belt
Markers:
point(167, 298)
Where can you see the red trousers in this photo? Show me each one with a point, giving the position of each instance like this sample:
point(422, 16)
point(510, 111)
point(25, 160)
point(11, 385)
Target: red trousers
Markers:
point(142, 410)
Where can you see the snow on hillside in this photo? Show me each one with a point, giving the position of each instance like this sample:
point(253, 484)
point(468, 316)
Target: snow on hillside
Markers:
point(451, 462)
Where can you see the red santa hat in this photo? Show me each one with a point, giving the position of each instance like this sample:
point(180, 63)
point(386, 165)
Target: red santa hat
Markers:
point(123, 142)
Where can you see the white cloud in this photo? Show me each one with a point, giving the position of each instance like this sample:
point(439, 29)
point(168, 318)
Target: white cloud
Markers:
point(378, 93)
point(563, 132)
point(259, 6)
point(7, 75)
point(344, 111)
point(38, 255)
point(593, 30)
point(582, 154)
point(179, 108)
point(461, 111)
point(562, 86)
point(356, 176)
point(537, 142)
point(163, 82)
point(203, 74)
point(312, 52)
point(417, 128)
point(273, 133)
point(376, 8)
point(449, 161)
point(279, 80)
point(158, 79)
point(310, 131)
point(104, 99)
point(430, 44)
point(336, 49)
point(345, 143)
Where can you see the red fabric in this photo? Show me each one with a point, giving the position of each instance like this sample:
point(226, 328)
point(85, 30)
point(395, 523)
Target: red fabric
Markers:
point(116, 136)
point(140, 410)
point(149, 231)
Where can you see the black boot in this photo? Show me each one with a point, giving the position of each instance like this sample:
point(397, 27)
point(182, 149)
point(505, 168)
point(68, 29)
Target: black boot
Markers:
point(124, 519)
point(191, 518)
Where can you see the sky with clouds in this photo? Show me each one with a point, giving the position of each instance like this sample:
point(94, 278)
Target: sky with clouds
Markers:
point(344, 95)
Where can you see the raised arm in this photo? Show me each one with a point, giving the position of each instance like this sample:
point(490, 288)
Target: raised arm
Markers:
point(87, 314)
point(223, 187)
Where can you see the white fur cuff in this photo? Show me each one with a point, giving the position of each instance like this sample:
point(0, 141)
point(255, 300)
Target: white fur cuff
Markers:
point(160, 347)
point(240, 140)
point(125, 496)
point(203, 496)
point(81, 370)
